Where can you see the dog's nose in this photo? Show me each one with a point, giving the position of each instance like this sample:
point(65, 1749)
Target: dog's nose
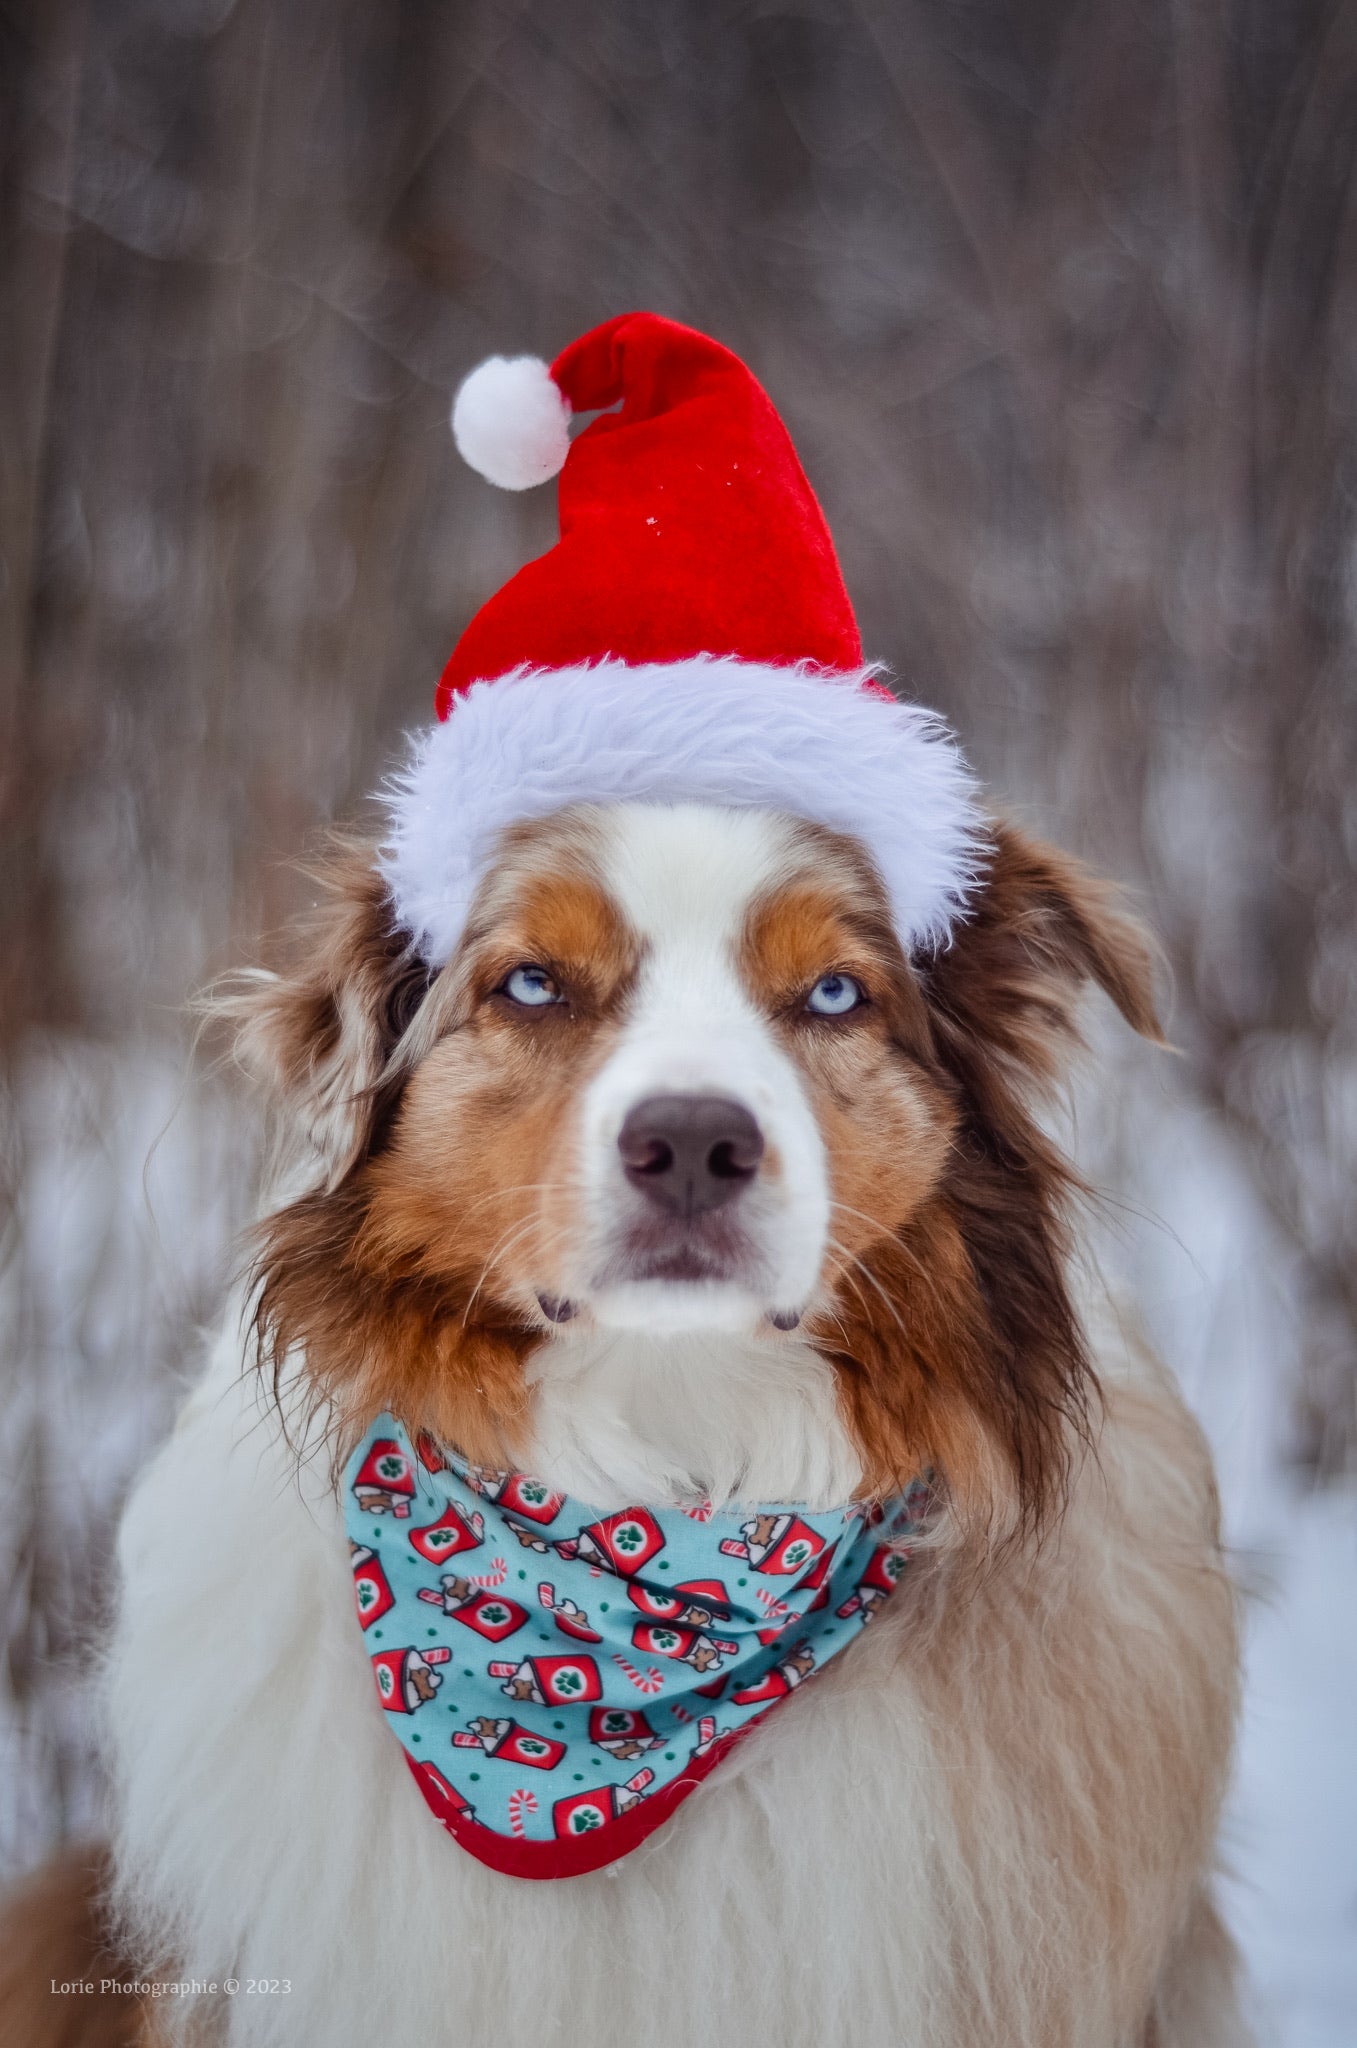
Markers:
point(690, 1153)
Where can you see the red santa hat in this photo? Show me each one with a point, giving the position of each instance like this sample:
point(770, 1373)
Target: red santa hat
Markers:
point(688, 638)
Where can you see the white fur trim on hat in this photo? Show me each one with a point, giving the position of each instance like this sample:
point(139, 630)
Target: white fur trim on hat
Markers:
point(511, 422)
point(708, 730)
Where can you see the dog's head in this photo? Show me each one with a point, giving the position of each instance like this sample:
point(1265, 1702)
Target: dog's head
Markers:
point(680, 1125)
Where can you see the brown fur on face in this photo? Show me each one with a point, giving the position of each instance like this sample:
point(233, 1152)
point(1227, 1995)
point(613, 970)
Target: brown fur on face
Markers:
point(403, 1274)
point(446, 1119)
point(952, 1330)
point(951, 1327)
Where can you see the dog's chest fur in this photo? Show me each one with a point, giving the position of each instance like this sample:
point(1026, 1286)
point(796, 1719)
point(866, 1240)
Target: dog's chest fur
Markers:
point(908, 1841)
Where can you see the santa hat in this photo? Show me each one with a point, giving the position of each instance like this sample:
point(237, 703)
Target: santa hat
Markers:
point(688, 638)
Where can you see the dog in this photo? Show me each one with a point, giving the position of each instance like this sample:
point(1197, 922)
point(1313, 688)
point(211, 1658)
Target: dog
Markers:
point(684, 1178)
point(992, 1818)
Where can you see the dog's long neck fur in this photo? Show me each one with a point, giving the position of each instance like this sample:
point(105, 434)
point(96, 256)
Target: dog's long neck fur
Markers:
point(621, 1418)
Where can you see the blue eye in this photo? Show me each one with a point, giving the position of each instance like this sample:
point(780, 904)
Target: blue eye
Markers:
point(532, 987)
point(834, 995)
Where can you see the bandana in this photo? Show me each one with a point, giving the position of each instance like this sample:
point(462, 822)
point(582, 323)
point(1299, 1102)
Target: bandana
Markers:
point(561, 1679)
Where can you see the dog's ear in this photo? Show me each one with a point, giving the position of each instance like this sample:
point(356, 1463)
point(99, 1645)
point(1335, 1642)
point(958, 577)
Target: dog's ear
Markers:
point(1041, 928)
point(335, 1036)
point(319, 1033)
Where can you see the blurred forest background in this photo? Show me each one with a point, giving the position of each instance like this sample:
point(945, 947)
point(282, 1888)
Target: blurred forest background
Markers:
point(1058, 298)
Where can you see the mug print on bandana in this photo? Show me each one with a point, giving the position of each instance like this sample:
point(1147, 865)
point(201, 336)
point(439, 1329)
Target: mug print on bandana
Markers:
point(560, 1679)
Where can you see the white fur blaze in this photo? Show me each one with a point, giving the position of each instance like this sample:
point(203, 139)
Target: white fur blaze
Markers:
point(511, 422)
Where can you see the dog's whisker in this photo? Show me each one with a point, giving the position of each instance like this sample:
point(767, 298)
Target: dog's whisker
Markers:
point(851, 1281)
point(527, 1187)
point(505, 1243)
point(846, 1209)
point(895, 1237)
point(860, 1266)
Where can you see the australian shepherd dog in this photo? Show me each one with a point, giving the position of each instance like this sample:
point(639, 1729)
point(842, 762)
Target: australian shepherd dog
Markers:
point(681, 1180)
point(991, 1819)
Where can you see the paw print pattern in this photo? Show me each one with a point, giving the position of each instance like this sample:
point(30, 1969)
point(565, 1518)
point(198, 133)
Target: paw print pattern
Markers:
point(385, 1483)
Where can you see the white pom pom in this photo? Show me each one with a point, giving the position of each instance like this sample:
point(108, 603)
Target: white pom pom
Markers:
point(510, 422)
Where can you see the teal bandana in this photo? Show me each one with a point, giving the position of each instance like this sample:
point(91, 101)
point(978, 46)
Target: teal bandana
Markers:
point(559, 1679)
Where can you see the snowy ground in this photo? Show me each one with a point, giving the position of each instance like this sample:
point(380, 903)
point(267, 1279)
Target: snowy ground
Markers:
point(1194, 1244)
point(114, 1260)
point(1291, 1834)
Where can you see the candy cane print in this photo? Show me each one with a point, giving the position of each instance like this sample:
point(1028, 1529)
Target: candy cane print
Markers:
point(520, 1802)
point(497, 1574)
point(778, 1610)
point(639, 1782)
point(649, 1681)
point(680, 1713)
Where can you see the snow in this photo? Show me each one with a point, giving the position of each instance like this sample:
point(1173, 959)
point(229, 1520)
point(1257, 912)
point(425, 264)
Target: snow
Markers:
point(1190, 1239)
point(1291, 1833)
point(130, 1183)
